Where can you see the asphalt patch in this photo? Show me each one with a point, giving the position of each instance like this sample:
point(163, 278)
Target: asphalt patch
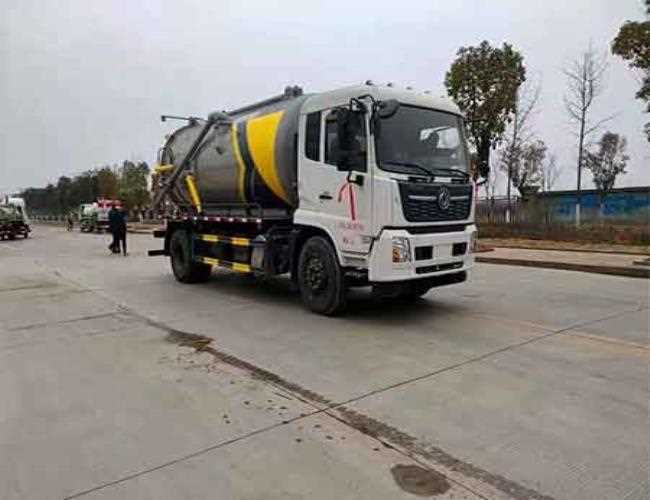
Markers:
point(420, 481)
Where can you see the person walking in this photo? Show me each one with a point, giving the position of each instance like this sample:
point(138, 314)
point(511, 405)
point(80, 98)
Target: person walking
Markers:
point(117, 227)
point(70, 221)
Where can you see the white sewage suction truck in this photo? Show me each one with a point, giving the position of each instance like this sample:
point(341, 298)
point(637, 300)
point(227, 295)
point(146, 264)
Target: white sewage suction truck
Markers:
point(360, 186)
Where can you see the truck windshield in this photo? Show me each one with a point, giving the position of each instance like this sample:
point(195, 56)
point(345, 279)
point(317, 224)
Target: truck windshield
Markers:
point(417, 139)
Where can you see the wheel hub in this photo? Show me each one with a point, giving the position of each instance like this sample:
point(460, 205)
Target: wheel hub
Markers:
point(315, 274)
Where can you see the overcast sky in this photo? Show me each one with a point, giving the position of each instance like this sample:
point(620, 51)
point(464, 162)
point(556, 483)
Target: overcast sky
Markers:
point(82, 83)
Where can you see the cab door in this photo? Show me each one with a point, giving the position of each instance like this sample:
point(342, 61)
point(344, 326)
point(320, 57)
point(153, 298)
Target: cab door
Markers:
point(338, 202)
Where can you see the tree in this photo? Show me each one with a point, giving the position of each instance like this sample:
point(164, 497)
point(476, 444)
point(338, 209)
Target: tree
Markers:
point(63, 190)
point(107, 183)
point(491, 183)
point(84, 187)
point(527, 172)
point(483, 81)
point(607, 163)
point(550, 172)
point(633, 44)
point(584, 84)
point(133, 189)
point(519, 133)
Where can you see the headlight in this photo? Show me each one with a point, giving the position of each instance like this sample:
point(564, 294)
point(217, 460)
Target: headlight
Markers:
point(401, 249)
point(473, 242)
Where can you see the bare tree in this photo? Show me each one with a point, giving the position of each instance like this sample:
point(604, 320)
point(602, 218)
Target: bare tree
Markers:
point(550, 172)
point(585, 82)
point(607, 163)
point(519, 132)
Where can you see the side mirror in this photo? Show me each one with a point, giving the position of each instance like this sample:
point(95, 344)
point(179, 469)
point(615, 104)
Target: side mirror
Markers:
point(388, 108)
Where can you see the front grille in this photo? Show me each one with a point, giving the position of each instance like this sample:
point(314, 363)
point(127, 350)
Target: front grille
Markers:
point(420, 202)
point(439, 267)
point(447, 228)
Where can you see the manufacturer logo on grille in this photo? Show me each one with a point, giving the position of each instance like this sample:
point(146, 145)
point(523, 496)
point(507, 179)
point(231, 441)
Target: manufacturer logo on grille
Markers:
point(444, 198)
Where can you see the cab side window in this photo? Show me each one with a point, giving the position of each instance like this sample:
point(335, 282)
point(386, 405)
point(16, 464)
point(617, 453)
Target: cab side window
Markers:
point(332, 150)
point(331, 140)
point(312, 136)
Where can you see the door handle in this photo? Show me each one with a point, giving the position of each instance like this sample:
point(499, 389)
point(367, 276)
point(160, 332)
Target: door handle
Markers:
point(325, 196)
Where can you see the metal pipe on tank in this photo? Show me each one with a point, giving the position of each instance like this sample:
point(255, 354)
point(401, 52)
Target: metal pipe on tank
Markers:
point(188, 157)
point(289, 93)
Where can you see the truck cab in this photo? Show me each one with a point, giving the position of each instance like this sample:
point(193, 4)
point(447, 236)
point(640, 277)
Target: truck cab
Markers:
point(94, 216)
point(398, 202)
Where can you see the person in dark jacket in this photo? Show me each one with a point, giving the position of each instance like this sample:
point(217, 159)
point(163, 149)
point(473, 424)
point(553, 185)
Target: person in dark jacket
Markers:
point(117, 227)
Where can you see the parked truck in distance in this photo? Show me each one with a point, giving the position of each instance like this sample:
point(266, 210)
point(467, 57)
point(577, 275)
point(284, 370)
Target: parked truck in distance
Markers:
point(93, 217)
point(360, 186)
point(13, 222)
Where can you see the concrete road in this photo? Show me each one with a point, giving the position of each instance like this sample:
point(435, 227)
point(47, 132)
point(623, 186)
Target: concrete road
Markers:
point(523, 383)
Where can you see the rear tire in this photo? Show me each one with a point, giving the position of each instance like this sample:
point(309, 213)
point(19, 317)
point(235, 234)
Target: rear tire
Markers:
point(184, 268)
point(320, 278)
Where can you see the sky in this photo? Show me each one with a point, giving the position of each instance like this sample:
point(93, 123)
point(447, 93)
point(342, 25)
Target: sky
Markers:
point(83, 83)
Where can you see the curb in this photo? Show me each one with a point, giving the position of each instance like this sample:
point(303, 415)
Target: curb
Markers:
point(580, 250)
point(629, 272)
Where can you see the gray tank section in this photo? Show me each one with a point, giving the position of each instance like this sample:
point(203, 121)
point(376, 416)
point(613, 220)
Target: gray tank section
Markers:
point(251, 160)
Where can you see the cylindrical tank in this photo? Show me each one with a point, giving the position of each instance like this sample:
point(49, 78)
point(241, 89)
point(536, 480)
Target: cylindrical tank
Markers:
point(252, 159)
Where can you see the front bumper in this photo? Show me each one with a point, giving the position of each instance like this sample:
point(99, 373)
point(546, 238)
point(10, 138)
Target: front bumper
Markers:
point(435, 256)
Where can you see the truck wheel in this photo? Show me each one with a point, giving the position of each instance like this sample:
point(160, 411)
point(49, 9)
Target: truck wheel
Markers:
point(184, 268)
point(320, 278)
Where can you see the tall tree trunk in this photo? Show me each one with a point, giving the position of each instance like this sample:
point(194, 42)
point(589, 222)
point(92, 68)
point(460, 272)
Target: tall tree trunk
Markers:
point(581, 142)
point(510, 159)
point(483, 151)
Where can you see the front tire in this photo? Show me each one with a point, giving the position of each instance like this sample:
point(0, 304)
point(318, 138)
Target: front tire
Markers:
point(320, 278)
point(185, 269)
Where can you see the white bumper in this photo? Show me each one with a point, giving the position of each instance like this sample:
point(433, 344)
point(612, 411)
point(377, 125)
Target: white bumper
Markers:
point(441, 261)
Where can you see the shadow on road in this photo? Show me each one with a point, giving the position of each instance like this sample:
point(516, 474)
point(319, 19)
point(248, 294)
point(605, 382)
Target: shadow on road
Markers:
point(362, 304)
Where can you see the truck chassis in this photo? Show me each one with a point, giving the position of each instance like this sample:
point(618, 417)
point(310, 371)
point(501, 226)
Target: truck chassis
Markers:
point(274, 245)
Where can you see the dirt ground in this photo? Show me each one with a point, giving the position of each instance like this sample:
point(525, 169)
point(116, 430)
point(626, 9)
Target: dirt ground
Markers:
point(564, 245)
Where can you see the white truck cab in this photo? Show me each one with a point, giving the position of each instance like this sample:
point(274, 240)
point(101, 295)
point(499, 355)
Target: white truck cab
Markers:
point(403, 209)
